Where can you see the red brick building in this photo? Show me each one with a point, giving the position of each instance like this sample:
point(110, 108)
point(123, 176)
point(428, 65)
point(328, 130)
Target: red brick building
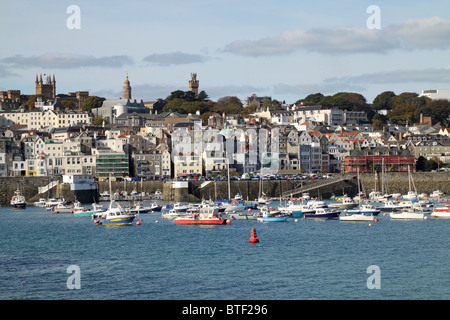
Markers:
point(372, 159)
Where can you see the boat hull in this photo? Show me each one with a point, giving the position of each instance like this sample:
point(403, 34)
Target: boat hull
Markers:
point(407, 216)
point(363, 212)
point(273, 219)
point(195, 221)
point(331, 215)
point(118, 221)
point(441, 214)
point(242, 216)
point(356, 217)
point(19, 205)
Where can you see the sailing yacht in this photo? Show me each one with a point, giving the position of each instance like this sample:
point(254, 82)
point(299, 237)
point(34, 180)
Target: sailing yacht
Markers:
point(412, 194)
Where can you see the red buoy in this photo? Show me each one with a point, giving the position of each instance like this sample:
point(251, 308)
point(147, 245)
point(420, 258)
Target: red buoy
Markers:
point(138, 223)
point(253, 237)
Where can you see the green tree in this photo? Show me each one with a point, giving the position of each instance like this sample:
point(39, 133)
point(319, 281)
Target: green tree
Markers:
point(98, 121)
point(404, 107)
point(272, 104)
point(311, 100)
point(202, 96)
point(378, 121)
point(92, 102)
point(420, 164)
point(68, 104)
point(383, 100)
point(440, 110)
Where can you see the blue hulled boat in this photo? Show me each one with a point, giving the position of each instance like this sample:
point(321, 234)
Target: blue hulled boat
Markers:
point(271, 215)
point(322, 213)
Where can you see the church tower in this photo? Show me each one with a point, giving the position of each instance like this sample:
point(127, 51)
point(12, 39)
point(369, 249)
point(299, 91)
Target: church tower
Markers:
point(47, 89)
point(193, 84)
point(126, 92)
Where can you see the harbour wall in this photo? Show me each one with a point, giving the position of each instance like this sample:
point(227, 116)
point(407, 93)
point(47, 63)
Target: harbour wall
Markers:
point(397, 182)
point(425, 182)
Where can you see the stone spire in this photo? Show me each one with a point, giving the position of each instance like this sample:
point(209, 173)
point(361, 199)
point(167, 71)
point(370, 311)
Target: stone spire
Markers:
point(126, 91)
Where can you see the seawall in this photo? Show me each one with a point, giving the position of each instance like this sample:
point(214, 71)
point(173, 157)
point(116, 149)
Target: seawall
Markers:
point(425, 182)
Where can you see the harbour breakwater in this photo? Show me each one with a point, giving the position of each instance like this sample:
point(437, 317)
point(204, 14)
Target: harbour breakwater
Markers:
point(396, 182)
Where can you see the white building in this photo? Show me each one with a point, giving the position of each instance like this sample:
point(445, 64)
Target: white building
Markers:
point(436, 94)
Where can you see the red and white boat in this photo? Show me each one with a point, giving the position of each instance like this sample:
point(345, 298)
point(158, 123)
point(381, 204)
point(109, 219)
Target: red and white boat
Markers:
point(207, 215)
point(441, 212)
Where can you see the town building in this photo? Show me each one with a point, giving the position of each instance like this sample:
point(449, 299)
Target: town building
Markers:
point(377, 159)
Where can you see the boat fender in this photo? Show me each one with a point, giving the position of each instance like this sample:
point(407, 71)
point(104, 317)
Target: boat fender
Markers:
point(271, 209)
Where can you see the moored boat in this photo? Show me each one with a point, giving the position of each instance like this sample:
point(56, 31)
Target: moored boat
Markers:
point(344, 203)
point(53, 202)
point(62, 208)
point(365, 209)
point(115, 215)
point(40, 203)
point(390, 206)
point(436, 194)
point(208, 215)
point(356, 217)
point(408, 214)
point(295, 210)
point(84, 212)
point(154, 207)
point(18, 200)
point(138, 208)
point(441, 212)
point(242, 216)
point(322, 213)
point(171, 214)
point(271, 215)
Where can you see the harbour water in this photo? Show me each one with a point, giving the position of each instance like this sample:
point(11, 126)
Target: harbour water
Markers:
point(157, 260)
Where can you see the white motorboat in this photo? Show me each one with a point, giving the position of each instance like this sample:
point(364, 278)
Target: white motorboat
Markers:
point(18, 200)
point(62, 208)
point(411, 195)
point(365, 209)
point(436, 194)
point(53, 202)
point(40, 203)
point(172, 214)
point(441, 212)
point(263, 199)
point(114, 215)
point(238, 197)
point(390, 206)
point(139, 208)
point(234, 206)
point(408, 214)
point(345, 203)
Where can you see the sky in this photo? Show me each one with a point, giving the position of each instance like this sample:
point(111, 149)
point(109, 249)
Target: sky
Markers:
point(283, 49)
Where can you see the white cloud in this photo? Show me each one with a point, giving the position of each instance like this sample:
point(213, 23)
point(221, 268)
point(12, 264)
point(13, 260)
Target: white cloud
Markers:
point(66, 61)
point(432, 75)
point(425, 33)
point(174, 58)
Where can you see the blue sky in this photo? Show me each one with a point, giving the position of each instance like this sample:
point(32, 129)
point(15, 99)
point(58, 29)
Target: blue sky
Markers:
point(283, 49)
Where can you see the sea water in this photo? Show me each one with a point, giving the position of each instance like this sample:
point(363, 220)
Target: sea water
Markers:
point(157, 260)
